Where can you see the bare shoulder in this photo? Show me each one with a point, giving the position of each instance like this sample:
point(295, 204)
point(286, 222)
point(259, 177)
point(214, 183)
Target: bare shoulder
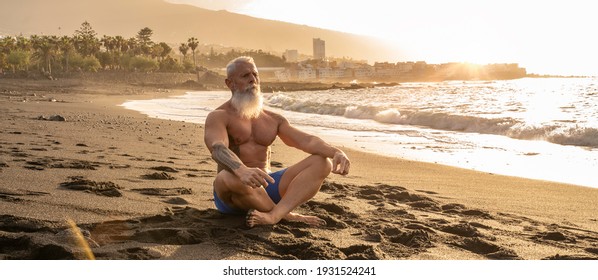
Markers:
point(278, 117)
point(219, 114)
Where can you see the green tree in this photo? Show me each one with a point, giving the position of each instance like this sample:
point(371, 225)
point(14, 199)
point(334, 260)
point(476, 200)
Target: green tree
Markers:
point(184, 48)
point(108, 60)
point(143, 64)
point(66, 47)
point(7, 45)
point(87, 63)
point(166, 49)
point(18, 60)
point(193, 43)
point(133, 46)
point(85, 40)
point(170, 64)
point(113, 46)
point(121, 44)
point(156, 51)
point(144, 40)
point(109, 43)
point(45, 51)
point(25, 44)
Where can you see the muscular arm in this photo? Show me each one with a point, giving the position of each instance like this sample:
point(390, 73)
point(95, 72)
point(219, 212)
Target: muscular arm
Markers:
point(313, 145)
point(216, 139)
point(225, 157)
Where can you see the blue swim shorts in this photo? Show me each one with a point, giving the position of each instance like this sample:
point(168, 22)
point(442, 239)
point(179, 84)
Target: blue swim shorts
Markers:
point(272, 189)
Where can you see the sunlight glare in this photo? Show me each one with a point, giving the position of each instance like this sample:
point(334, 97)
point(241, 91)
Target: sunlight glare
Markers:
point(546, 37)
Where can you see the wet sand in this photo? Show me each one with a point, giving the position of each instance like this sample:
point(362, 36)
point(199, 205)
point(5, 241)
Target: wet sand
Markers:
point(140, 188)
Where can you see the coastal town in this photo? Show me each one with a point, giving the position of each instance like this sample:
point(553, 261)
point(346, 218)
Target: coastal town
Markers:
point(323, 69)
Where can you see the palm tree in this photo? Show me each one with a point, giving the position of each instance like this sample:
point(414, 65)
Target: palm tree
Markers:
point(46, 50)
point(133, 46)
point(193, 44)
point(7, 45)
point(184, 48)
point(166, 49)
point(24, 44)
point(121, 44)
point(109, 43)
point(156, 51)
point(65, 44)
point(18, 59)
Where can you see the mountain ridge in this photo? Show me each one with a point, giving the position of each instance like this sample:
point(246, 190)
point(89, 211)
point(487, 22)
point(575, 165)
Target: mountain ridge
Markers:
point(175, 23)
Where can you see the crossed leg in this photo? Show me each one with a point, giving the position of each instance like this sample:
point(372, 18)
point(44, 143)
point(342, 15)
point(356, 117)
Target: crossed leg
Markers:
point(298, 184)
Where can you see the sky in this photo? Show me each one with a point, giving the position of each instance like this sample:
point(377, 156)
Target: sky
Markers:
point(545, 37)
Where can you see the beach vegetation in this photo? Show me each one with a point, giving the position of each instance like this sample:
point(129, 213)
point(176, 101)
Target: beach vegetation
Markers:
point(193, 43)
point(85, 40)
point(188, 65)
point(171, 65)
point(86, 51)
point(66, 46)
point(18, 60)
point(109, 60)
point(23, 43)
point(85, 63)
point(142, 64)
point(144, 41)
point(184, 48)
point(45, 52)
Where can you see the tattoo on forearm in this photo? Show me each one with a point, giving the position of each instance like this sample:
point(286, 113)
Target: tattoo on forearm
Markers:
point(225, 158)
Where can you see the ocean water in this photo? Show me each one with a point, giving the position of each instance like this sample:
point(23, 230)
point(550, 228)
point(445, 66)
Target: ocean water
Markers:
point(540, 128)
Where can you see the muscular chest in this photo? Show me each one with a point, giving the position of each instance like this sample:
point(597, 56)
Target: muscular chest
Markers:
point(261, 131)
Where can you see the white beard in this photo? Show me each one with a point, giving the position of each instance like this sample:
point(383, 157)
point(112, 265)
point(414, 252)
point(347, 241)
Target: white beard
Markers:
point(249, 102)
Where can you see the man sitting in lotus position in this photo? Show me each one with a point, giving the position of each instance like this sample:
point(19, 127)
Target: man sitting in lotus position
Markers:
point(239, 134)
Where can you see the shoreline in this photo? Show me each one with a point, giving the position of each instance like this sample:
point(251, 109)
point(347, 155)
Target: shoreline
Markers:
point(511, 164)
point(387, 208)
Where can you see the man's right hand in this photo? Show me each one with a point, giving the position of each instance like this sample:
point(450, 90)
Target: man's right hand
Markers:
point(253, 177)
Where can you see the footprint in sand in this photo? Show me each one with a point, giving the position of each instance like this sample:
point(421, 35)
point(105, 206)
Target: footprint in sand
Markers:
point(15, 195)
point(336, 216)
point(164, 169)
point(163, 191)
point(78, 183)
point(554, 236)
point(48, 162)
point(158, 176)
point(485, 248)
point(412, 238)
point(176, 201)
point(461, 229)
point(363, 252)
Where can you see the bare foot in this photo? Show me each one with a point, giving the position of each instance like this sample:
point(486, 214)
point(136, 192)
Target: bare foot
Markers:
point(255, 217)
point(310, 220)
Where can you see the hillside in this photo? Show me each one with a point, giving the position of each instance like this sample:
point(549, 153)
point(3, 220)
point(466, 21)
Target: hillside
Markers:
point(175, 23)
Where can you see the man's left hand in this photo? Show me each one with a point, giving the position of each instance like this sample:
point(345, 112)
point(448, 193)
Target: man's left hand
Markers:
point(340, 163)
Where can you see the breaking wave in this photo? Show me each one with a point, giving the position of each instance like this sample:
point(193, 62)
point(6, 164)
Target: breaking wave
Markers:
point(510, 127)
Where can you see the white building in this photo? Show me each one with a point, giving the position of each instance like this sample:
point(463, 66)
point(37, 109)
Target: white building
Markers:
point(291, 55)
point(306, 74)
point(283, 75)
point(364, 72)
point(319, 47)
point(334, 73)
point(404, 67)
